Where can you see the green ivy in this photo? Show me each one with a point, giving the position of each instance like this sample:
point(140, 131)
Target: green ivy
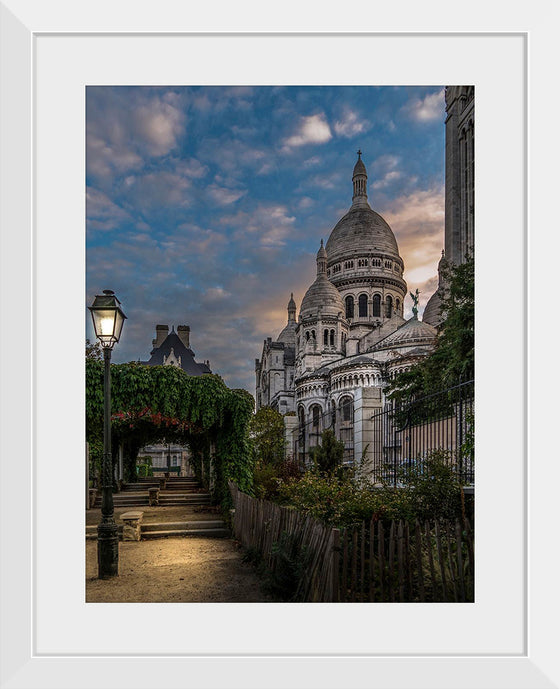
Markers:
point(151, 404)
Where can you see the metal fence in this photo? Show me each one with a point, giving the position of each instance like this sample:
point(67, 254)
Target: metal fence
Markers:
point(307, 436)
point(401, 436)
point(407, 435)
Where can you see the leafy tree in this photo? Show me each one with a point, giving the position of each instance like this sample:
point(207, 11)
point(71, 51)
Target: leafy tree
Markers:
point(452, 360)
point(93, 351)
point(267, 431)
point(328, 455)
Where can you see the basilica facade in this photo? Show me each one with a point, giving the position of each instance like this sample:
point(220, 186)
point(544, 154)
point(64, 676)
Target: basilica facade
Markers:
point(328, 367)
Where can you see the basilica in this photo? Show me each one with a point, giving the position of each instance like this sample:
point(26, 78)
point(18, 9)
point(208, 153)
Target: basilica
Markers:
point(328, 367)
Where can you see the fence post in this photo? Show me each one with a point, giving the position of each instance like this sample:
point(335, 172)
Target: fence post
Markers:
point(335, 597)
point(460, 438)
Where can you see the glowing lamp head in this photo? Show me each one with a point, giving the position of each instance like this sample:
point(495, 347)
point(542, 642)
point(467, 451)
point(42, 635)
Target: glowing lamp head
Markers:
point(108, 318)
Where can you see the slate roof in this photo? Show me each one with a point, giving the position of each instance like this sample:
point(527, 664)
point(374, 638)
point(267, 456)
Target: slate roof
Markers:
point(188, 363)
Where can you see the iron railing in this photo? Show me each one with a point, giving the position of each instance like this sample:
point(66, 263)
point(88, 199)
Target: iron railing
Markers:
point(408, 435)
point(403, 436)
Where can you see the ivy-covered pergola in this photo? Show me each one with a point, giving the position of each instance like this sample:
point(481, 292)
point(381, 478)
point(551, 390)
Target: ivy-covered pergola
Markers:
point(151, 404)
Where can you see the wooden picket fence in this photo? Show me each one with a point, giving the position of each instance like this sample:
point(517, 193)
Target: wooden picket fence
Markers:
point(377, 562)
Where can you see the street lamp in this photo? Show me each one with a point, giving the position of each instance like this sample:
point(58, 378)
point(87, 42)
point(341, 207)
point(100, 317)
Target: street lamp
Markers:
point(108, 319)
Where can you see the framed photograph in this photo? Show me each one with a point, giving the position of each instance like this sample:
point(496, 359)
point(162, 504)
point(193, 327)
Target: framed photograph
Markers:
point(51, 53)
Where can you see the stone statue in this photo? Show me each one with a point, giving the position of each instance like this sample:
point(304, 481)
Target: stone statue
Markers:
point(415, 296)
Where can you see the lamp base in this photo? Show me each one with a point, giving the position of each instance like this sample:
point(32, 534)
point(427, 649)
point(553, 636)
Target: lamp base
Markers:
point(107, 550)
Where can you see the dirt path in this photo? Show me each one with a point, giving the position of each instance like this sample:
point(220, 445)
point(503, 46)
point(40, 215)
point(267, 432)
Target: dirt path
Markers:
point(175, 570)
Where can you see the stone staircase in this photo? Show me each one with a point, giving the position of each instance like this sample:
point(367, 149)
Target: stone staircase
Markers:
point(207, 528)
point(178, 491)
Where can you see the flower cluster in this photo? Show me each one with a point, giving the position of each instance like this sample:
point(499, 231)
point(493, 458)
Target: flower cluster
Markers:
point(133, 419)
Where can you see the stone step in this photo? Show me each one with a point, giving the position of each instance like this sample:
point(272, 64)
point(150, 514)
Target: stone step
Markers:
point(135, 487)
point(190, 497)
point(188, 533)
point(214, 528)
point(156, 479)
point(139, 499)
point(184, 526)
point(171, 502)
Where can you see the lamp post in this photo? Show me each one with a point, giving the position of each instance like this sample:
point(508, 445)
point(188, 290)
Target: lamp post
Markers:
point(108, 319)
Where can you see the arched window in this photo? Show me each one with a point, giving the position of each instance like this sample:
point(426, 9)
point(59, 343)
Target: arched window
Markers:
point(346, 408)
point(377, 306)
point(315, 415)
point(301, 419)
point(332, 338)
point(362, 306)
point(313, 334)
point(389, 307)
point(398, 306)
point(307, 335)
point(326, 337)
point(349, 306)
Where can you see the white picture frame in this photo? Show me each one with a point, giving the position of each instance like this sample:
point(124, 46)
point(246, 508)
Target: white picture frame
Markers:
point(42, 614)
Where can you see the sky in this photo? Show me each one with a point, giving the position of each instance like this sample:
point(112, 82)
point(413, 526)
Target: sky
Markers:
point(206, 205)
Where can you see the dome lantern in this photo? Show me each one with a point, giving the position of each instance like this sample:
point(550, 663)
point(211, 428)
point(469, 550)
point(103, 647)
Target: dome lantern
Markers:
point(291, 308)
point(359, 182)
point(321, 260)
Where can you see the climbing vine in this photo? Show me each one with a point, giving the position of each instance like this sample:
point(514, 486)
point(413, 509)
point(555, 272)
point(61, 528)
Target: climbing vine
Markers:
point(151, 404)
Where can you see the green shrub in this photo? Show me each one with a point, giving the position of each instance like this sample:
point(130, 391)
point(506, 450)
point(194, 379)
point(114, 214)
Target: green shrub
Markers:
point(434, 487)
point(268, 478)
point(431, 492)
point(289, 562)
point(327, 456)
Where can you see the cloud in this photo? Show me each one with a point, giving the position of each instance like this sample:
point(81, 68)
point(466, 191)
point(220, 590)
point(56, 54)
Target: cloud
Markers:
point(314, 160)
point(126, 128)
point(417, 220)
point(427, 109)
point(268, 226)
point(351, 125)
point(233, 157)
point(222, 196)
point(312, 130)
point(102, 213)
point(171, 187)
point(158, 125)
point(161, 188)
point(386, 180)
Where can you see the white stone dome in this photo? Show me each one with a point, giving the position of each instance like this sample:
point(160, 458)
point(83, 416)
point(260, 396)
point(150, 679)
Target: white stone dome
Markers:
point(322, 296)
point(413, 332)
point(432, 310)
point(288, 335)
point(361, 231)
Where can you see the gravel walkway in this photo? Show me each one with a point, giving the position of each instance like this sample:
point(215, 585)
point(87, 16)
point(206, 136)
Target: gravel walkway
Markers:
point(175, 570)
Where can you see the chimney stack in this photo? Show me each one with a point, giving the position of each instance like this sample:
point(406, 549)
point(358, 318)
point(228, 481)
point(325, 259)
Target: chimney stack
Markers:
point(161, 333)
point(184, 333)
